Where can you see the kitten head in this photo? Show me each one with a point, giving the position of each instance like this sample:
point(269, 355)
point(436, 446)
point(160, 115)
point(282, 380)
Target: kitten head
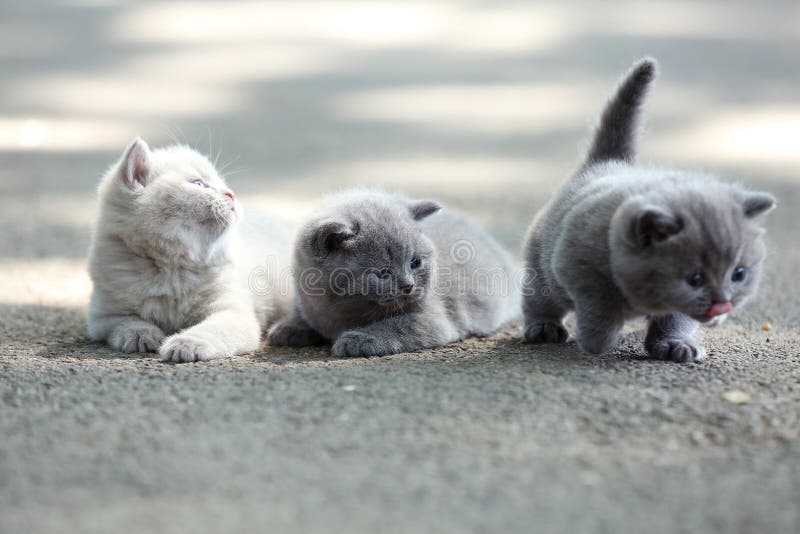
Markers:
point(167, 197)
point(369, 246)
point(694, 248)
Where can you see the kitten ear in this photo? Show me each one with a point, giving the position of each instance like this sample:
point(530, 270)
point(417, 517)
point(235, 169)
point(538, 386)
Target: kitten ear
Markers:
point(331, 234)
point(755, 204)
point(136, 165)
point(654, 225)
point(423, 208)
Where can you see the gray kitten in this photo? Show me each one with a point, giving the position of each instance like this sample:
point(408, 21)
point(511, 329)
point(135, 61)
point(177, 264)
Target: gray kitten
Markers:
point(620, 241)
point(379, 274)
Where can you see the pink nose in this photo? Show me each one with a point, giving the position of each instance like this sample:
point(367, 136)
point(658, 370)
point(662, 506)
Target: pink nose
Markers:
point(719, 308)
point(229, 195)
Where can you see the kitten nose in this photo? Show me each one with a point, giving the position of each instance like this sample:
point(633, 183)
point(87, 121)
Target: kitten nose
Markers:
point(407, 288)
point(719, 308)
point(229, 194)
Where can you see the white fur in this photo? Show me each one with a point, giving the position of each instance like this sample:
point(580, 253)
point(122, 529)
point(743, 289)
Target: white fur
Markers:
point(171, 264)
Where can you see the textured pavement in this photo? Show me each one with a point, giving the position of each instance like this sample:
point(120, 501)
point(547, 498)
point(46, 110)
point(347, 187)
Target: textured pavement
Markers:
point(483, 106)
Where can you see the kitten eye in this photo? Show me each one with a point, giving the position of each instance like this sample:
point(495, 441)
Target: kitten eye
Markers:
point(198, 181)
point(415, 263)
point(384, 273)
point(739, 274)
point(695, 280)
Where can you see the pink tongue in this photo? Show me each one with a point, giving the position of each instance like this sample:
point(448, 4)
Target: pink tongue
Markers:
point(719, 308)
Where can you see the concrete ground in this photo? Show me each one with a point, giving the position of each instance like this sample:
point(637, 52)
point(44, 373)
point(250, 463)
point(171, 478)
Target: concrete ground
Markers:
point(480, 104)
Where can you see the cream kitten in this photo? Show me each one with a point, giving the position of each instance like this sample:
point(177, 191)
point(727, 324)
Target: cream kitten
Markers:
point(173, 272)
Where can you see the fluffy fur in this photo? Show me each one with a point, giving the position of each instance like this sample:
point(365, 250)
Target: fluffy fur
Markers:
point(172, 269)
point(619, 241)
point(380, 274)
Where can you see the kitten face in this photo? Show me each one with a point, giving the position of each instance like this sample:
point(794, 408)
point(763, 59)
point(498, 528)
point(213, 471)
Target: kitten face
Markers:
point(174, 193)
point(374, 251)
point(699, 253)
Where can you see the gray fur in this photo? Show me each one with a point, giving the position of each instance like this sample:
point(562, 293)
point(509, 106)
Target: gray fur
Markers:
point(616, 136)
point(620, 241)
point(463, 286)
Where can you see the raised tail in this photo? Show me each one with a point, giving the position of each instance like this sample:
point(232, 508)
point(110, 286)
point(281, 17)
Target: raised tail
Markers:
point(616, 136)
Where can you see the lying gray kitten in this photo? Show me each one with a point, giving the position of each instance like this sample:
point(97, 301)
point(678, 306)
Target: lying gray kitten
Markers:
point(380, 274)
point(620, 241)
point(169, 258)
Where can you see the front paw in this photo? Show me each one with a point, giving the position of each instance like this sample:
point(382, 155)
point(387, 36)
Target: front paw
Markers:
point(138, 338)
point(548, 332)
point(677, 350)
point(186, 347)
point(360, 344)
point(288, 334)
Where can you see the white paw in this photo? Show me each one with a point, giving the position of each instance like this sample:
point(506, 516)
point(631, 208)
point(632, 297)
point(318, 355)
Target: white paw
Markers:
point(138, 338)
point(185, 347)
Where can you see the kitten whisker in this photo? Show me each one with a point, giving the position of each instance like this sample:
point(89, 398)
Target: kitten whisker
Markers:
point(226, 164)
point(175, 134)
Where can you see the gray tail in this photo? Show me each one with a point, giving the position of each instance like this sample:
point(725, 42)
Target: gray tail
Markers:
point(616, 136)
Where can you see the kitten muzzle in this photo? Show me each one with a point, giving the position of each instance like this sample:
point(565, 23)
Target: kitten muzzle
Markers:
point(719, 308)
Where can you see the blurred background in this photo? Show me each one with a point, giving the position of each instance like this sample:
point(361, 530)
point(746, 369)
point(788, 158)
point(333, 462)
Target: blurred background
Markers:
point(485, 105)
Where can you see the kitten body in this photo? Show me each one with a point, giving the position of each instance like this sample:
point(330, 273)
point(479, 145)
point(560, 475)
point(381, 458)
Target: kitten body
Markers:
point(174, 269)
point(620, 241)
point(380, 274)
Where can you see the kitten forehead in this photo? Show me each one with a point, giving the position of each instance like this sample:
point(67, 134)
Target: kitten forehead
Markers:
point(376, 214)
point(715, 229)
point(184, 159)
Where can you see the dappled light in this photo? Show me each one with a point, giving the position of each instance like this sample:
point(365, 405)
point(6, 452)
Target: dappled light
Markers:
point(69, 135)
point(51, 282)
point(383, 65)
point(757, 136)
point(451, 25)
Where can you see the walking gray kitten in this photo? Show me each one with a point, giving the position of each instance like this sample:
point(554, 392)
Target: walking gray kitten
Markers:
point(380, 274)
point(169, 258)
point(620, 241)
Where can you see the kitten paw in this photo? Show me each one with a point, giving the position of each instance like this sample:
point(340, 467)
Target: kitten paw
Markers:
point(181, 348)
point(288, 334)
point(358, 344)
point(139, 338)
point(548, 332)
point(677, 350)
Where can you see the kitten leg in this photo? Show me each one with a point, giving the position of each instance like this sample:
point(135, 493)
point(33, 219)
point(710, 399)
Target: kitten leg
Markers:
point(220, 335)
point(670, 337)
point(543, 320)
point(543, 314)
point(126, 333)
point(401, 333)
point(598, 326)
point(294, 331)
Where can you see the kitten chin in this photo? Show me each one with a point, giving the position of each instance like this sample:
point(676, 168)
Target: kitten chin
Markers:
point(170, 264)
point(619, 241)
point(376, 275)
